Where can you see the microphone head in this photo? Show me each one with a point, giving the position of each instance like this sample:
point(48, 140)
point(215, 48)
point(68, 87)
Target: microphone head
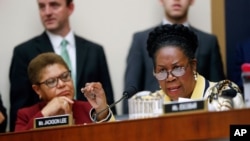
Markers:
point(130, 91)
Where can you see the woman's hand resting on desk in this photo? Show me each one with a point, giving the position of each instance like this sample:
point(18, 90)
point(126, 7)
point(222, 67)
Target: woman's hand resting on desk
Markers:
point(225, 95)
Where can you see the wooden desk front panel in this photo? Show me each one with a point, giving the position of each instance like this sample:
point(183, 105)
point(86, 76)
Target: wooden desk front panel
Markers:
point(195, 126)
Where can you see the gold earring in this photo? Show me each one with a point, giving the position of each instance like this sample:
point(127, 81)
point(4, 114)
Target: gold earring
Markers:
point(195, 75)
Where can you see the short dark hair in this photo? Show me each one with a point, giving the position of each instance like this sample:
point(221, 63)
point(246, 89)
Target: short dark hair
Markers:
point(176, 35)
point(41, 61)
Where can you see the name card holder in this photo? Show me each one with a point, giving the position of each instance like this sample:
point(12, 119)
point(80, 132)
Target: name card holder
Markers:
point(185, 107)
point(53, 121)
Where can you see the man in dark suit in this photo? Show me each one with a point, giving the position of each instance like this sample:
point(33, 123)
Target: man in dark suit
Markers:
point(139, 70)
point(242, 55)
point(88, 60)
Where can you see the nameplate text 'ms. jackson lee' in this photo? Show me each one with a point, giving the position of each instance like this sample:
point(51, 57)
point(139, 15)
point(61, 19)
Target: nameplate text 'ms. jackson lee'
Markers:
point(52, 121)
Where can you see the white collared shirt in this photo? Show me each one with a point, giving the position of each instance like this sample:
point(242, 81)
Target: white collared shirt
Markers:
point(165, 21)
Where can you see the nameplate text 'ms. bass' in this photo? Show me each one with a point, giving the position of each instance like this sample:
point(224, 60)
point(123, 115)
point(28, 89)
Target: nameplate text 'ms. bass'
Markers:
point(184, 107)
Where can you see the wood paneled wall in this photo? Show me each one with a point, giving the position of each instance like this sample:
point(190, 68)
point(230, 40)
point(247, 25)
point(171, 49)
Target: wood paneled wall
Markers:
point(218, 26)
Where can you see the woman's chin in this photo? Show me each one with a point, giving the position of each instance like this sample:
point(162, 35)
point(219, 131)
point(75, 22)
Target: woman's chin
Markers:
point(174, 97)
point(173, 94)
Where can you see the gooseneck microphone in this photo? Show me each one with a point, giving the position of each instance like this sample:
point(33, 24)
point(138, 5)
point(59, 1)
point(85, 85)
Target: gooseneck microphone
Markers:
point(129, 92)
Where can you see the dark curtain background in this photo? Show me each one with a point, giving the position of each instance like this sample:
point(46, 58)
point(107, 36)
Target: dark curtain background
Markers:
point(237, 27)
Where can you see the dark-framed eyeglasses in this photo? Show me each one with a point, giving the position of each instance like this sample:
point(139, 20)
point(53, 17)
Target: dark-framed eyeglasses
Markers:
point(176, 72)
point(52, 82)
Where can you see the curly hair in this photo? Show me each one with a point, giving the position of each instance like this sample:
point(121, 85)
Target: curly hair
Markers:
point(176, 35)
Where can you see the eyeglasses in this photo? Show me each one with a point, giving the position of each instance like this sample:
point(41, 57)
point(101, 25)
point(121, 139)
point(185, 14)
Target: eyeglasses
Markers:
point(177, 72)
point(52, 82)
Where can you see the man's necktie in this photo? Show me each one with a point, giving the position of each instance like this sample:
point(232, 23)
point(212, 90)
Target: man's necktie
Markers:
point(65, 54)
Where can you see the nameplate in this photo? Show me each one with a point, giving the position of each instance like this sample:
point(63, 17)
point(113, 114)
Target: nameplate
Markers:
point(52, 121)
point(187, 106)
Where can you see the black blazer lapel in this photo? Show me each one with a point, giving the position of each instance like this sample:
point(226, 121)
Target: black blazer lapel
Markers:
point(44, 44)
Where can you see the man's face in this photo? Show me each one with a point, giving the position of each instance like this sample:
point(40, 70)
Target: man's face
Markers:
point(176, 10)
point(55, 14)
